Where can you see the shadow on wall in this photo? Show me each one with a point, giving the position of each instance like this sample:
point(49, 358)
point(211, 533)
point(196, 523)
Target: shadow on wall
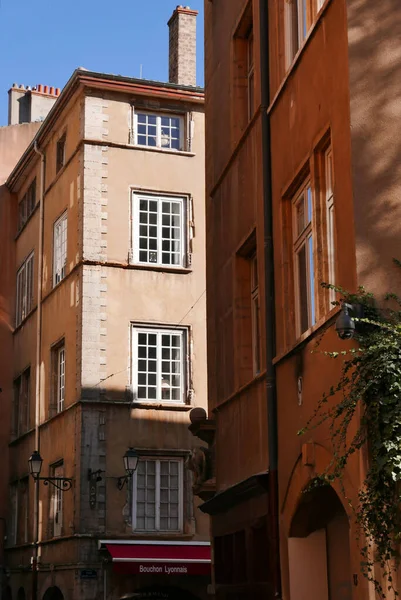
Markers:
point(375, 90)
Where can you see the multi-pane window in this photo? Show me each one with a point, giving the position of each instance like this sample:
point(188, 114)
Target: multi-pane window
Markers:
point(22, 389)
point(159, 130)
point(158, 365)
point(60, 378)
point(60, 249)
point(330, 234)
point(303, 258)
point(256, 341)
point(251, 74)
point(56, 505)
point(299, 17)
point(24, 290)
point(158, 230)
point(158, 495)
point(60, 153)
point(27, 205)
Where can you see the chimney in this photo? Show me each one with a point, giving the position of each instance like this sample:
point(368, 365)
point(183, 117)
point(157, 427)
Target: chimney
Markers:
point(182, 46)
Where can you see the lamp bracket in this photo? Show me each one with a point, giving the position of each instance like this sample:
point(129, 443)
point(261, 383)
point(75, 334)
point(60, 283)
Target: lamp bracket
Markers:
point(123, 480)
point(61, 483)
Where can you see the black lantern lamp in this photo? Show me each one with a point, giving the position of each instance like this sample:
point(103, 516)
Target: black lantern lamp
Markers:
point(35, 467)
point(131, 458)
point(35, 464)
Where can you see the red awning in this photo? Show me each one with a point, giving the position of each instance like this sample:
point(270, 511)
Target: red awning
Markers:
point(154, 557)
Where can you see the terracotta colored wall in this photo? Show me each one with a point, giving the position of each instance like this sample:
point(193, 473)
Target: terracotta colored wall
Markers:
point(14, 139)
point(374, 31)
point(313, 99)
point(234, 209)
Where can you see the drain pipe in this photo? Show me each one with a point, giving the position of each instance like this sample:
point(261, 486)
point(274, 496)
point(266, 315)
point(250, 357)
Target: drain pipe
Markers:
point(271, 390)
point(38, 363)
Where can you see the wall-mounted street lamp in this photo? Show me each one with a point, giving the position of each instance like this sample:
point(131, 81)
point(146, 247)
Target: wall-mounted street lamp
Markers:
point(131, 458)
point(35, 466)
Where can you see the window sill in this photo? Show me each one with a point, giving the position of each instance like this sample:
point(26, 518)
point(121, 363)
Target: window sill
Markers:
point(306, 336)
point(20, 326)
point(160, 268)
point(162, 150)
point(26, 222)
point(163, 535)
point(20, 437)
point(160, 406)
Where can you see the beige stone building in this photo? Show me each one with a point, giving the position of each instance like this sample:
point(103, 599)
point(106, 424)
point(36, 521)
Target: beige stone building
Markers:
point(105, 235)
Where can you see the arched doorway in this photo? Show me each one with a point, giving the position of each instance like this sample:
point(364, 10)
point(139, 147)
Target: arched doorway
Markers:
point(53, 593)
point(21, 594)
point(159, 593)
point(318, 548)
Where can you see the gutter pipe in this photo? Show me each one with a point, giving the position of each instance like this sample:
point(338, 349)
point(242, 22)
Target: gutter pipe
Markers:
point(38, 363)
point(271, 389)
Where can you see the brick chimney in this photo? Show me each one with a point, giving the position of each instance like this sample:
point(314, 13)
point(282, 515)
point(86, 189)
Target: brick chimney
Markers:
point(182, 46)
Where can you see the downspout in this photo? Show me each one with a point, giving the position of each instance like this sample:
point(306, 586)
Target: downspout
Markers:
point(271, 390)
point(38, 363)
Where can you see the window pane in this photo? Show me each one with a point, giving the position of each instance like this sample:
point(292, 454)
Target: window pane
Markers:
point(311, 281)
point(300, 215)
point(303, 289)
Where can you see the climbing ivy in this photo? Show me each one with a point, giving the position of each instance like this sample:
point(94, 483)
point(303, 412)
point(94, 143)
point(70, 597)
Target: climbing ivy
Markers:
point(368, 395)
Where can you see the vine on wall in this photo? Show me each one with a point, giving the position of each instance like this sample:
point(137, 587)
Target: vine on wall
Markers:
point(370, 386)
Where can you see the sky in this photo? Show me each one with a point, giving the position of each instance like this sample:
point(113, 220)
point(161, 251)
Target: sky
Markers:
point(43, 41)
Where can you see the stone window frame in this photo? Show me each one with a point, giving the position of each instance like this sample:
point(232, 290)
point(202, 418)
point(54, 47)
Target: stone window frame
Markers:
point(158, 459)
point(60, 247)
point(24, 295)
point(187, 126)
point(187, 227)
point(313, 173)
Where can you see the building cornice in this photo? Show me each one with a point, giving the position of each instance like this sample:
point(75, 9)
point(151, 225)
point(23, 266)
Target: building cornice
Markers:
point(254, 486)
point(82, 79)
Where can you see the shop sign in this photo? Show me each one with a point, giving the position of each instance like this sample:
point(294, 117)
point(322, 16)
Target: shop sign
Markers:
point(160, 568)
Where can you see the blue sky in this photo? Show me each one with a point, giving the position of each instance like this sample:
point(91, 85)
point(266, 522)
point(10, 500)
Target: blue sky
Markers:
point(43, 41)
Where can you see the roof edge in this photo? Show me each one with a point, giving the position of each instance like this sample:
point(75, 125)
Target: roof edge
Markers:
point(89, 79)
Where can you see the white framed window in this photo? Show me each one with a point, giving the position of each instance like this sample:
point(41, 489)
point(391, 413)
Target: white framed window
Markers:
point(59, 249)
point(60, 378)
point(159, 230)
point(256, 341)
point(57, 503)
point(24, 289)
point(158, 130)
point(158, 495)
point(304, 258)
point(328, 162)
point(250, 74)
point(158, 368)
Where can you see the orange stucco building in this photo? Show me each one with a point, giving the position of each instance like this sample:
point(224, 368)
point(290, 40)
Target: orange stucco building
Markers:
point(301, 188)
point(104, 345)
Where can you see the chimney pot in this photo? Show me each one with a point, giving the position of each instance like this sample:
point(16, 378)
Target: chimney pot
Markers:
point(39, 88)
point(45, 89)
point(57, 91)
